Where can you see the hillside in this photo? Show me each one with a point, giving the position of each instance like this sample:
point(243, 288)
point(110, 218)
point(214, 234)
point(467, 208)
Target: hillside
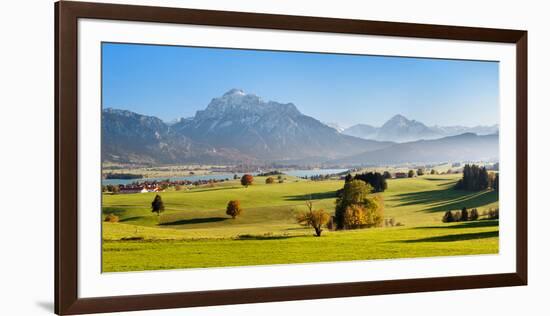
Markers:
point(465, 147)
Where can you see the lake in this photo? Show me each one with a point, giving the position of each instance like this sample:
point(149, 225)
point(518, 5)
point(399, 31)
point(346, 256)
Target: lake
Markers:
point(221, 176)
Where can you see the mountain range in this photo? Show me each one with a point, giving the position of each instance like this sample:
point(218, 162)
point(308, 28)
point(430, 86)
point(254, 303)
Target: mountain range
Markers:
point(463, 147)
point(241, 128)
point(400, 129)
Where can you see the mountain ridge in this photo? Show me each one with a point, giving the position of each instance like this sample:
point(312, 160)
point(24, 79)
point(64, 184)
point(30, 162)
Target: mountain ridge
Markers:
point(241, 128)
point(400, 129)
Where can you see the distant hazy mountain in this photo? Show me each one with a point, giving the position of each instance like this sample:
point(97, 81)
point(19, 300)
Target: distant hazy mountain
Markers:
point(236, 127)
point(337, 127)
point(464, 147)
point(362, 130)
point(401, 129)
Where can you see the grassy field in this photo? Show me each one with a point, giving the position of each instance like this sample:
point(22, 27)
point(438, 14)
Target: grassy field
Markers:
point(194, 231)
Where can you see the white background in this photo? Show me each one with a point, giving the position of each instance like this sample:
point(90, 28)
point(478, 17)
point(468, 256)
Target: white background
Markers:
point(26, 69)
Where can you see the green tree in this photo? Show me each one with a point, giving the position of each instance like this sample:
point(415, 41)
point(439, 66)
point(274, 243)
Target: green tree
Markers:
point(420, 172)
point(354, 192)
point(269, 180)
point(474, 215)
point(448, 217)
point(375, 179)
point(433, 171)
point(368, 214)
point(411, 173)
point(387, 175)
point(157, 206)
point(348, 178)
point(233, 208)
point(474, 178)
point(464, 215)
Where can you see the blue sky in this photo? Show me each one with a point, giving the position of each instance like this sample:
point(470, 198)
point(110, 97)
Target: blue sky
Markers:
point(170, 82)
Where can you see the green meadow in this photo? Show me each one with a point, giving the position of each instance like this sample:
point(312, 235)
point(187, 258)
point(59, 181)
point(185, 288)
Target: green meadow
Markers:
point(195, 232)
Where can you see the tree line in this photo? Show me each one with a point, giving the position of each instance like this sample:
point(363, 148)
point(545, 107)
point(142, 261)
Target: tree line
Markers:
point(476, 178)
point(376, 180)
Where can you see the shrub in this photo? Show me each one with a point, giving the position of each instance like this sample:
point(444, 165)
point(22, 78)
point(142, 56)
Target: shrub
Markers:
point(269, 180)
point(234, 208)
point(111, 218)
point(474, 215)
point(247, 180)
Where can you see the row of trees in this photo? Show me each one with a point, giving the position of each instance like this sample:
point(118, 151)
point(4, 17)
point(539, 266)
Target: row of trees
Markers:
point(376, 180)
point(475, 178)
point(461, 216)
point(472, 215)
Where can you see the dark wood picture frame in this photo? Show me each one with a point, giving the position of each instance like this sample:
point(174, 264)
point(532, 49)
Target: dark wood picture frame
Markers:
point(66, 160)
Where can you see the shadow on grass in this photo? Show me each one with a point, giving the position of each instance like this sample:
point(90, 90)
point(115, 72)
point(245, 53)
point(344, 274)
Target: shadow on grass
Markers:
point(475, 224)
point(312, 196)
point(448, 199)
point(262, 237)
point(215, 188)
point(440, 179)
point(133, 218)
point(195, 221)
point(112, 210)
point(450, 238)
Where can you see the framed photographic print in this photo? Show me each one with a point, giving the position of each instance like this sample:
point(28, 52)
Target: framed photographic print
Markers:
point(211, 157)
